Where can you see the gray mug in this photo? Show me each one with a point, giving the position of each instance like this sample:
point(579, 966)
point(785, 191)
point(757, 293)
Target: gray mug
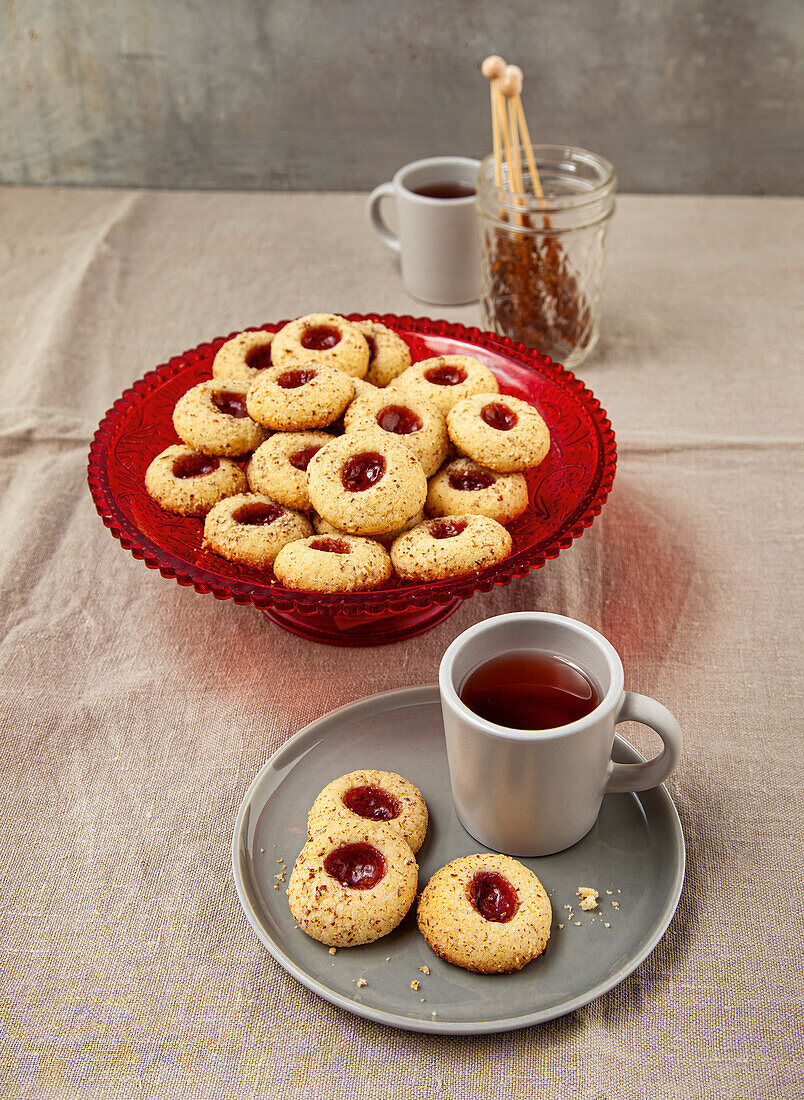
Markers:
point(532, 793)
point(438, 240)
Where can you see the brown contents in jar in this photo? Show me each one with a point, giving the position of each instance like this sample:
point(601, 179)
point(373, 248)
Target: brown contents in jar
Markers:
point(534, 293)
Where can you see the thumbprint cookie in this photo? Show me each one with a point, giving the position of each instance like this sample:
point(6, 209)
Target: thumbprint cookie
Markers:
point(366, 483)
point(300, 397)
point(325, 339)
point(189, 483)
point(462, 487)
point(446, 379)
point(278, 467)
point(245, 356)
point(414, 421)
point(366, 797)
point(328, 563)
point(486, 913)
point(503, 433)
point(213, 417)
point(352, 883)
point(251, 529)
point(449, 546)
point(389, 355)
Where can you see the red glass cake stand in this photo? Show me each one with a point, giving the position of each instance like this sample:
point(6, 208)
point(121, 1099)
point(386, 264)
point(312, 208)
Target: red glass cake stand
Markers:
point(566, 492)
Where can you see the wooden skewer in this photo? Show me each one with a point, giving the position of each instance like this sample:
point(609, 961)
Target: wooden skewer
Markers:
point(536, 183)
point(492, 68)
point(511, 86)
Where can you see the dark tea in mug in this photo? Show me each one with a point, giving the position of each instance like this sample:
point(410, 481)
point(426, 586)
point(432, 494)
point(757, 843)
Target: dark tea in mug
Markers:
point(529, 690)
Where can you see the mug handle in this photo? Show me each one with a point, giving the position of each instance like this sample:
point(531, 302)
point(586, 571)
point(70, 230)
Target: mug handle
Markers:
point(640, 777)
point(384, 191)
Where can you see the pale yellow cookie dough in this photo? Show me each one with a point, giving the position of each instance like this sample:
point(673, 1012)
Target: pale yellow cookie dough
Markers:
point(330, 563)
point(503, 433)
point(189, 483)
point(251, 529)
point(411, 419)
point(388, 796)
point(462, 487)
point(366, 483)
point(323, 338)
point(300, 397)
point(278, 467)
point(446, 379)
point(456, 929)
point(389, 355)
point(213, 417)
point(339, 914)
point(245, 356)
point(449, 547)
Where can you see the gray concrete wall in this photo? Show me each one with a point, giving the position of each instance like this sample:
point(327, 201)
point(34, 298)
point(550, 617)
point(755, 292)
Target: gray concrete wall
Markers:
point(683, 95)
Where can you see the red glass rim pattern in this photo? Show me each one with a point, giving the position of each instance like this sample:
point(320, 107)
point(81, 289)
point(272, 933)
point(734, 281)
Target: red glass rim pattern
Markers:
point(566, 492)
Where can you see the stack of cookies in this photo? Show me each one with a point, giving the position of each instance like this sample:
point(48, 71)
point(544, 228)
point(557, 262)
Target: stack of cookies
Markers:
point(348, 446)
point(356, 878)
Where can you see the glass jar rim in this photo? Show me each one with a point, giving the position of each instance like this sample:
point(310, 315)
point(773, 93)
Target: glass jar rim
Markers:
point(543, 155)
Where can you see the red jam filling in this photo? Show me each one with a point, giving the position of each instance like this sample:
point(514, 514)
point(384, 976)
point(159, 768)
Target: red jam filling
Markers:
point(445, 376)
point(260, 358)
point(194, 465)
point(233, 404)
point(362, 471)
point(292, 379)
point(468, 481)
point(331, 546)
point(359, 866)
point(372, 343)
point(398, 419)
point(257, 514)
point(301, 459)
point(373, 803)
point(498, 416)
point(320, 338)
point(447, 528)
point(493, 896)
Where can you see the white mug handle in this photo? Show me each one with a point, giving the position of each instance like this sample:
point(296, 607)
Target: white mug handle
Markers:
point(640, 777)
point(384, 191)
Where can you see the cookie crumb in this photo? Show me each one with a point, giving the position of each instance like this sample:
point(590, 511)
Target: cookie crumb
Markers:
point(606, 924)
point(262, 849)
point(424, 969)
point(333, 950)
point(387, 958)
point(588, 896)
point(609, 891)
point(423, 1000)
point(561, 926)
point(276, 886)
point(615, 903)
point(578, 923)
point(361, 982)
point(414, 984)
point(434, 1013)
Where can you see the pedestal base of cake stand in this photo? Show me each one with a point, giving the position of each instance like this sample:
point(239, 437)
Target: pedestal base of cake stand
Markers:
point(362, 630)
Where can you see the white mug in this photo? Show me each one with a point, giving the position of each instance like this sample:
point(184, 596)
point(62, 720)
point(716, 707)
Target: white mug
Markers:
point(438, 239)
point(535, 792)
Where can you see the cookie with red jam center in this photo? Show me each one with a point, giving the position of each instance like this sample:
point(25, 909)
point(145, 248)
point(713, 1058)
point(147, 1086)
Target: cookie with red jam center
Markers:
point(368, 797)
point(352, 883)
point(487, 913)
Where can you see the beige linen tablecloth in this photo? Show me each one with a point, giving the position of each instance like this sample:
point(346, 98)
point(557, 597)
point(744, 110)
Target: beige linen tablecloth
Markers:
point(136, 712)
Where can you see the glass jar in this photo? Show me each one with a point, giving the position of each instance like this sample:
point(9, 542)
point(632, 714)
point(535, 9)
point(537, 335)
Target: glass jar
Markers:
point(542, 258)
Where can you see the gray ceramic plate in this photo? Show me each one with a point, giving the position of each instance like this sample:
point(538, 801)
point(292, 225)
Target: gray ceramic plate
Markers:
point(636, 851)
